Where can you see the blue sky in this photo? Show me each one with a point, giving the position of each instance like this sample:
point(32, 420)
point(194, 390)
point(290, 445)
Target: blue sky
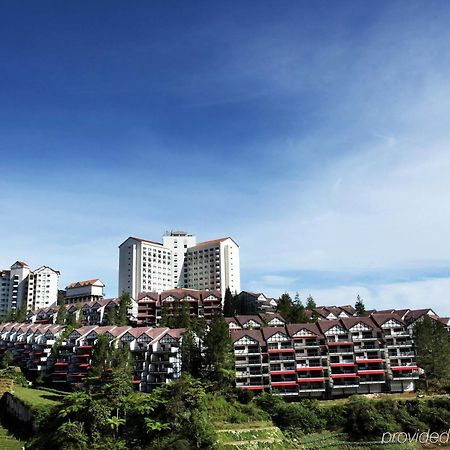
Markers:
point(315, 133)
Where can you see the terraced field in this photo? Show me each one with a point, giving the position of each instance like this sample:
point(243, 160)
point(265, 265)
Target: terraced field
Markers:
point(8, 442)
point(250, 436)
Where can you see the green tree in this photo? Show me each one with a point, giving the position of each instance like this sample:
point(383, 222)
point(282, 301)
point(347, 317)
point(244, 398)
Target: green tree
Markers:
point(111, 314)
point(7, 359)
point(432, 348)
point(297, 313)
point(101, 357)
point(284, 305)
point(191, 356)
point(61, 315)
point(164, 322)
point(359, 306)
point(125, 303)
point(21, 314)
point(229, 304)
point(218, 350)
point(310, 302)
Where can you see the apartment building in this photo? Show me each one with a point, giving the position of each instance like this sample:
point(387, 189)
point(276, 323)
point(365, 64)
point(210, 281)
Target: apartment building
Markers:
point(331, 358)
point(178, 262)
point(30, 345)
point(84, 291)
point(19, 284)
point(87, 313)
point(152, 305)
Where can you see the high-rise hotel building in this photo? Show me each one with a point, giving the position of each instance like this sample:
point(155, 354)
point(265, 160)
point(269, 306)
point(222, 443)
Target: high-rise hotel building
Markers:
point(178, 262)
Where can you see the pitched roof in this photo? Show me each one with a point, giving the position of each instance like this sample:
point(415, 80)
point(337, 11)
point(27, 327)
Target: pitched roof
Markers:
point(294, 328)
point(325, 325)
point(382, 318)
point(252, 334)
point(415, 314)
point(350, 322)
point(268, 332)
point(83, 283)
point(213, 242)
point(141, 240)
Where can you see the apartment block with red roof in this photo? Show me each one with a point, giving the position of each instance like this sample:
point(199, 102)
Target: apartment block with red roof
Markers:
point(369, 354)
point(343, 373)
point(250, 356)
point(311, 359)
point(401, 367)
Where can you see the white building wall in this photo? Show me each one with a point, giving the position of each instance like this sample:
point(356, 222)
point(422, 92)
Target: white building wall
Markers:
point(144, 266)
point(4, 292)
point(18, 285)
point(179, 242)
point(42, 288)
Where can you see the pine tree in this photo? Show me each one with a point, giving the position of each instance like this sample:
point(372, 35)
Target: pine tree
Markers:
point(218, 345)
point(310, 303)
point(164, 322)
point(284, 305)
point(101, 357)
point(191, 356)
point(359, 306)
point(432, 348)
point(111, 314)
point(61, 315)
point(298, 313)
point(228, 304)
point(124, 305)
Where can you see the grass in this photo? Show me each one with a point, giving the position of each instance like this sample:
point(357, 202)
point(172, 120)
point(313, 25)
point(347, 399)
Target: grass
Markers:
point(8, 442)
point(36, 398)
point(340, 441)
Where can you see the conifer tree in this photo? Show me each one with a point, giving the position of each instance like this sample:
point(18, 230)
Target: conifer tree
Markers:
point(124, 306)
point(310, 303)
point(359, 306)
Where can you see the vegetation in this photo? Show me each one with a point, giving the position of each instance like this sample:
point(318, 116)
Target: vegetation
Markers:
point(359, 306)
point(230, 304)
point(433, 352)
point(124, 306)
point(292, 310)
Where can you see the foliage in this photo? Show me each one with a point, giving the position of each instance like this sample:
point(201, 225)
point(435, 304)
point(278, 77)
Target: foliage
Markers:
point(230, 304)
point(218, 356)
point(432, 348)
point(124, 306)
point(111, 314)
point(359, 306)
point(292, 311)
point(310, 302)
point(7, 359)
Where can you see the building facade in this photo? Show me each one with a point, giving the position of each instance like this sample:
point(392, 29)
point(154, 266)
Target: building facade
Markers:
point(330, 358)
point(19, 285)
point(178, 262)
point(84, 291)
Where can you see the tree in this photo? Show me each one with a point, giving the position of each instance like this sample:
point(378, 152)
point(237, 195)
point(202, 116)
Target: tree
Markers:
point(191, 355)
point(61, 315)
point(432, 348)
point(310, 303)
point(111, 314)
point(164, 322)
point(124, 305)
point(7, 359)
point(21, 315)
point(297, 313)
point(359, 306)
point(101, 356)
point(228, 304)
point(284, 305)
point(218, 349)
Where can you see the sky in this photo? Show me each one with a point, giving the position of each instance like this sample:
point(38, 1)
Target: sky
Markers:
point(316, 134)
